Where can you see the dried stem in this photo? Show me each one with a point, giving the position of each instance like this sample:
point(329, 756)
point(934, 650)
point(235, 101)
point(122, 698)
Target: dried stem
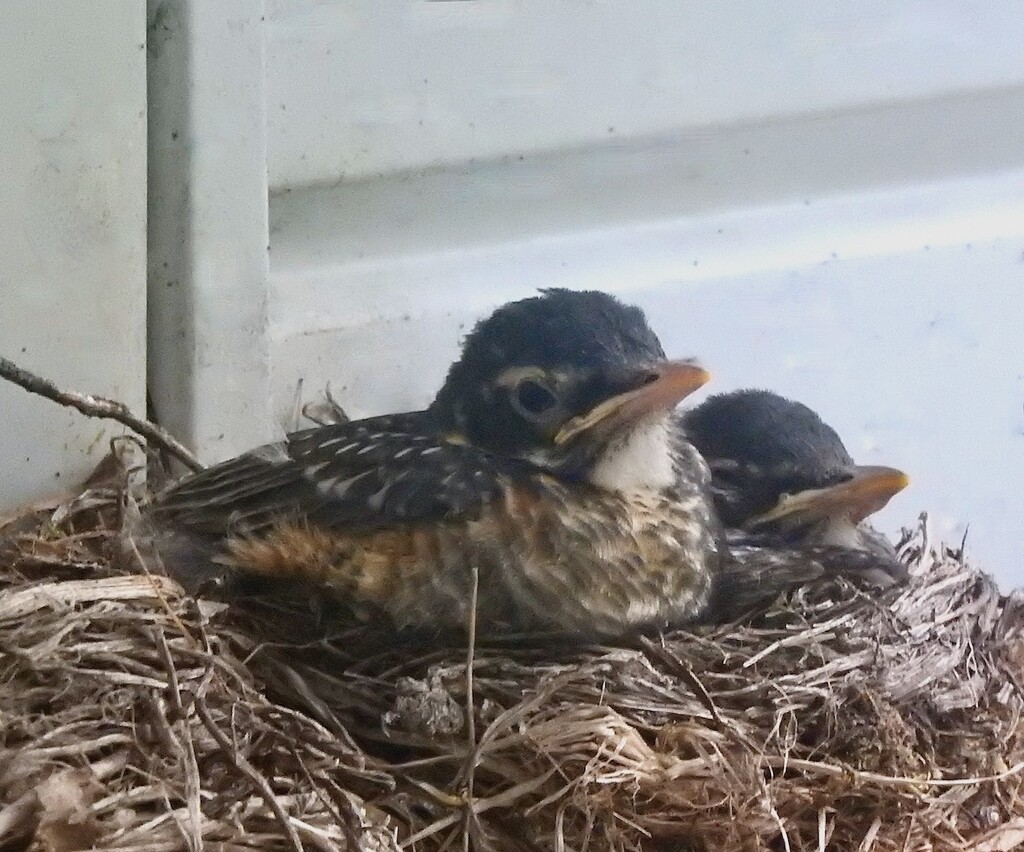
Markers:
point(98, 406)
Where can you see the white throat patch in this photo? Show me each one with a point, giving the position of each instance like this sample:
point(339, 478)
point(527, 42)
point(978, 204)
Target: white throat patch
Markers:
point(639, 461)
point(841, 532)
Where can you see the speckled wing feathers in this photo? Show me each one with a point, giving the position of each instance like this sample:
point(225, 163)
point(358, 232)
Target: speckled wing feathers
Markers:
point(398, 519)
point(365, 474)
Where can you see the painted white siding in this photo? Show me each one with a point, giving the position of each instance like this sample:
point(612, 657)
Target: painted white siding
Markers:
point(72, 229)
point(209, 360)
point(826, 198)
point(358, 88)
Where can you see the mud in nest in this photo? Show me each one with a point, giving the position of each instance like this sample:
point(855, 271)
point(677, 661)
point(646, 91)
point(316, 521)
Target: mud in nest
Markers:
point(134, 717)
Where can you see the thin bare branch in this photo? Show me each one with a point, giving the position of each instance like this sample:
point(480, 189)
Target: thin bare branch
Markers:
point(101, 407)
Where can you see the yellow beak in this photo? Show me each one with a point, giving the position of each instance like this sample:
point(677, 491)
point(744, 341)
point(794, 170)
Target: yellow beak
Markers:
point(868, 491)
point(664, 387)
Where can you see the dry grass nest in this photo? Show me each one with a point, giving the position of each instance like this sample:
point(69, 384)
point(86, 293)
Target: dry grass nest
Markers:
point(134, 717)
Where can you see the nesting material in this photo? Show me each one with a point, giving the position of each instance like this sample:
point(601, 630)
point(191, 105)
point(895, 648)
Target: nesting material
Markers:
point(136, 718)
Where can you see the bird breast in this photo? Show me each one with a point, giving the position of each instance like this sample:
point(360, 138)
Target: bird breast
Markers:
point(548, 557)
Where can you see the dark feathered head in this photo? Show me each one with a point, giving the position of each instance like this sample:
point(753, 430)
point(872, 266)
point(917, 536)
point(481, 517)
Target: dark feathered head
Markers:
point(558, 377)
point(775, 461)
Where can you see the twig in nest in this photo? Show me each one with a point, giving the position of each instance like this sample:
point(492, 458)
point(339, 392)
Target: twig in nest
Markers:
point(685, 672)
point(324, 413)
point(861, 776)
point(505, 799)
point(243, 765)
point(470, 712)
point(193, 781)
point(98, 406)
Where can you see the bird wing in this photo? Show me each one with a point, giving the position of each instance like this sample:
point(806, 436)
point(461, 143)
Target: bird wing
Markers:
point(754, 572)
point(360, 475)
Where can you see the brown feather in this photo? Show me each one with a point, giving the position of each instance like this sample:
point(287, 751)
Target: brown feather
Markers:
point(578, 560)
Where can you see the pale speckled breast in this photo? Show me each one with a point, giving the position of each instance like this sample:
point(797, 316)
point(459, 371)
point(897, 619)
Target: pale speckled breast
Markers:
point(548, 557)
point(612, 563)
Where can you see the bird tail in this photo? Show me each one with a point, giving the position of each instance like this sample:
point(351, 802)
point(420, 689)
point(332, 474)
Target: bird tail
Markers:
point(183, 556)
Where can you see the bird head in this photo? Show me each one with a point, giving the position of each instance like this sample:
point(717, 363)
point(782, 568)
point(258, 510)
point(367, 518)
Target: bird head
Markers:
point(573, 382)
point(861, 491)
point(780, 467)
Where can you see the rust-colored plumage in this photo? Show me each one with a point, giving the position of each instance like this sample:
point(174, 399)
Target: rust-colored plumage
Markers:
point(546, 556)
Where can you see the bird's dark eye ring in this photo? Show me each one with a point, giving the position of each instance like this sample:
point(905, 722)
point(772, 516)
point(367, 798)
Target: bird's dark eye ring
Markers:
point(534, 398)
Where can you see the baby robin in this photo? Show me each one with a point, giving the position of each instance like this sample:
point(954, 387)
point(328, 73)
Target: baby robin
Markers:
point(784, 484)
point(546, 470)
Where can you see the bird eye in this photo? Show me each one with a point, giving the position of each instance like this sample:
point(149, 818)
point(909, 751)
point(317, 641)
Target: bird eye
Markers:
point(533, 398)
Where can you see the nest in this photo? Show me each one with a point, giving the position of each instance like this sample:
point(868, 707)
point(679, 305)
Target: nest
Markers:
point(134, 717)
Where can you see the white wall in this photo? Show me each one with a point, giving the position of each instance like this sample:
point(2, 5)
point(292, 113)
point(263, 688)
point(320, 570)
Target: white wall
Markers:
point(72, 229)
point(358, 87)
point(827, 199)
point(209, 359)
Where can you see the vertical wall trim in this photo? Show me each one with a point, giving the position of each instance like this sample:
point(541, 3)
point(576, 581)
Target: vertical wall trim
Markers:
point(209, 365)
